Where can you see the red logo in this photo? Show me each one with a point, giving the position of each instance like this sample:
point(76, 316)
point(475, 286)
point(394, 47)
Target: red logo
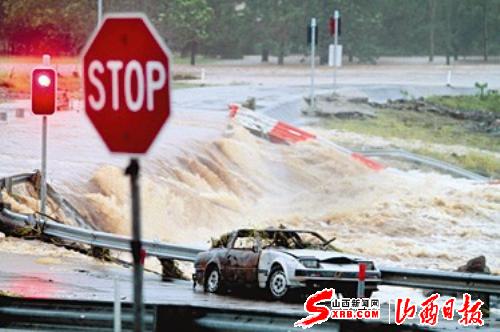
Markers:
point(470, 312)
point(345, 308)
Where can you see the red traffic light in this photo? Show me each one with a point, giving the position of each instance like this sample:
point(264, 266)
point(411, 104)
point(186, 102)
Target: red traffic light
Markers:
point(332, 25)
point(43, 91)
point(44, 80)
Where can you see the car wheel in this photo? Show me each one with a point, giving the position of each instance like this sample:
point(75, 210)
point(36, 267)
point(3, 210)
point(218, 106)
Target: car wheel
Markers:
point(213, 281)
point(277, 284)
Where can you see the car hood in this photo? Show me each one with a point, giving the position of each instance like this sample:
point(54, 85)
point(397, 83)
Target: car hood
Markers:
point(322, 255)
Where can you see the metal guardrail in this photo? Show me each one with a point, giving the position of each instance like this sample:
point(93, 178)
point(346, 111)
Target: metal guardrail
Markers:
point(426, 161)
point(23, 314)
point(117, 242)
point(427, 279)
point(441, 280)
point(258, 122)
point(85, 236)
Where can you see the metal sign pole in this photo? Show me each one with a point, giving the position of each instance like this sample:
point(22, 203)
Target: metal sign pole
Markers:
point(136, 244)
point(99, 11)
point(361, 280)
point(336, 16)
point(313, 46)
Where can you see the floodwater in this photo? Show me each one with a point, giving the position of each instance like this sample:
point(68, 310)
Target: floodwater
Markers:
point(206, 175)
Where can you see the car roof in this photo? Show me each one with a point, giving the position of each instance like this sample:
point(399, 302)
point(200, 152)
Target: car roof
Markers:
point(273, 230)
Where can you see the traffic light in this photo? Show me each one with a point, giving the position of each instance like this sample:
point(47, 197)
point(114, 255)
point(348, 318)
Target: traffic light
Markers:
point(43, 90)
point(309, 36)
point(331, 26)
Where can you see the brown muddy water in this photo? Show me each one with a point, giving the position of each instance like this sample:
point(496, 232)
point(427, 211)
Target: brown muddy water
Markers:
point(411, 218)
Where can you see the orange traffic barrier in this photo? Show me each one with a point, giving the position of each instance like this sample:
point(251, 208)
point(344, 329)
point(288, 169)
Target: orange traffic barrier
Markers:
point(233, 109)
point(367, 161)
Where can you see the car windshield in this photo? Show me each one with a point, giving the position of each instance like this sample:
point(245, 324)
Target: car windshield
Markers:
point(293, 240)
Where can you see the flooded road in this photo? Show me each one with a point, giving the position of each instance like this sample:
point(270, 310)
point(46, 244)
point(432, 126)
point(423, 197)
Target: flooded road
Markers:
point(206, 176)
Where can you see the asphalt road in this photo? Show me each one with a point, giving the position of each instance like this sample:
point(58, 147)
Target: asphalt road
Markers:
point(86, 279)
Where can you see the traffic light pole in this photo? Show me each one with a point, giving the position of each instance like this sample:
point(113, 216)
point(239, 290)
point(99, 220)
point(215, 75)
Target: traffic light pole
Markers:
point(43, 178)
point(335, 42)
point(313, 55)
point(136, 244)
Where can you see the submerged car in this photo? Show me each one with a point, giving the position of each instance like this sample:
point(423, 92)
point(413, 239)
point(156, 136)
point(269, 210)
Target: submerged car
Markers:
point(280, 260)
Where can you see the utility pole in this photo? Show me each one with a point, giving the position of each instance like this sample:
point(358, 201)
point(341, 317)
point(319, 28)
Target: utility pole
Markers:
point(313, 56)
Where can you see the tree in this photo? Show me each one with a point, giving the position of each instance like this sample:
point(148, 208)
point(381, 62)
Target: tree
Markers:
point(187, 22)
point(232, 32)
point(55, 27)
point(432, 27)
point(362, 21)
point(279, 23)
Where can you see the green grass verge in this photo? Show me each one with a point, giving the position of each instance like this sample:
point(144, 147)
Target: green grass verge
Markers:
point(426, 127)
point(489, 102)
point(473, 161)
point(429, 128)
point(200, 60)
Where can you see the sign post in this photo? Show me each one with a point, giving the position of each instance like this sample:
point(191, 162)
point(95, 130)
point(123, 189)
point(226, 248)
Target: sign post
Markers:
point(99, 12)
point(136, 245)
point(127, 98)
point(313, 55)
point(361, 280)
point(336, 16)
point(43, 102)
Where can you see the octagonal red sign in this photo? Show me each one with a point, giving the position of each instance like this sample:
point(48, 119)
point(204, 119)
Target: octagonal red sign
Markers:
point(126, 75)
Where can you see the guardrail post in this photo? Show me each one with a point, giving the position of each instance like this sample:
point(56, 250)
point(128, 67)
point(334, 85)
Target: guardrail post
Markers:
point(19, 113)
point(8, 185)
point(485, 308)
point(117, 326)
point(3, 117)
point(361, 280)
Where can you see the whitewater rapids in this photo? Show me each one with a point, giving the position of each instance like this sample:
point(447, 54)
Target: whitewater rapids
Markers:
point(239, 180)
point(206, 176)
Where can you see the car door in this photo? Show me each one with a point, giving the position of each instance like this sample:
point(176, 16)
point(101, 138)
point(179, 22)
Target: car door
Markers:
point(242, 260)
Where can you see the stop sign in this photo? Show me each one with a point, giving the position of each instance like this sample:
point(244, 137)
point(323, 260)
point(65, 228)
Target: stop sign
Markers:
point(126, 76)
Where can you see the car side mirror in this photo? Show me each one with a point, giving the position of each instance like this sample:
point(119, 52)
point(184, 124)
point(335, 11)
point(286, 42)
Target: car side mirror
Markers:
point(255, 248)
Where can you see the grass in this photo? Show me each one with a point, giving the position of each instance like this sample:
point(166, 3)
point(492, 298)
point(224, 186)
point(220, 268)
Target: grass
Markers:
point(430, 128)
point(421, 126)
point(20, 82)
point(489, 102)
point(38, 59)
point(200, 60)
point(473, 161)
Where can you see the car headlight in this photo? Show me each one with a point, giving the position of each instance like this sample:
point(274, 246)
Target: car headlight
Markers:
point(310, 263)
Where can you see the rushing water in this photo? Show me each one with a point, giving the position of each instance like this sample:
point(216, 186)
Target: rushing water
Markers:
point(408, 218)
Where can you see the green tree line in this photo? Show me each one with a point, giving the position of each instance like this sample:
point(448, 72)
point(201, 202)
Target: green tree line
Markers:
point(232, 28)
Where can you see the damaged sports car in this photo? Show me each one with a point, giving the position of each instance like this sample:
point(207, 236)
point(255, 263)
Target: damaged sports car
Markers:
point(280, 260)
